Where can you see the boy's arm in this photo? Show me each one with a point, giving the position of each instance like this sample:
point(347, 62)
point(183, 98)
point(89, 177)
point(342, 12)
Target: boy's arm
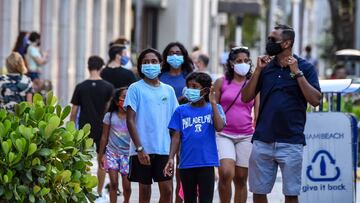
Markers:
point(131, 124)
point(219, 123)
point(175, 143)
point(174, 147)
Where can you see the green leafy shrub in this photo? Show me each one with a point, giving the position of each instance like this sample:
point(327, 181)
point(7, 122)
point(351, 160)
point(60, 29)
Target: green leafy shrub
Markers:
point(42, 158)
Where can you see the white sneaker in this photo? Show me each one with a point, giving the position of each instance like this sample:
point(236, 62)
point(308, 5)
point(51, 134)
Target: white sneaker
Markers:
point(102, 199)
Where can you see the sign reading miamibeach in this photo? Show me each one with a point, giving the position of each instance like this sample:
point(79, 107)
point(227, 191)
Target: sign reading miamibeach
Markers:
point(327, 173)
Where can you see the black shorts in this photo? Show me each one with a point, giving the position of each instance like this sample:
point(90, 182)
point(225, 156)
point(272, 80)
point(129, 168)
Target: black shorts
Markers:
point(145, 174)
point(33, 75)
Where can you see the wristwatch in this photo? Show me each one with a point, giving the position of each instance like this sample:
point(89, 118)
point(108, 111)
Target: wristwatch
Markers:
point(297, 75)
point(139, 149)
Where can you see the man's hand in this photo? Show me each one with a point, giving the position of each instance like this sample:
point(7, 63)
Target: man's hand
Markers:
point(262, 62)
point(169, 167)
point(144, 158)
point(293, 64)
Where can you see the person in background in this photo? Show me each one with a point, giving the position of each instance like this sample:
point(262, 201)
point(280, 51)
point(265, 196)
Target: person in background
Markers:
point(234, 141)
point(201, 63)
point(225, 55)
point(93, 96)
point(340, 72)
point(116, 140)
point(196, 51)
point(21, 44)
point(126, 61)
point(310, 58)
point(114, 72)
point(35, 59)
point(15, 86)
point(177, 65)
point(149, 106)
point(193, 127)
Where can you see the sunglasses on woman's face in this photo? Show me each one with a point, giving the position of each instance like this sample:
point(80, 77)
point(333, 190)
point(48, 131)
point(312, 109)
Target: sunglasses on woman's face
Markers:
point(239, 47)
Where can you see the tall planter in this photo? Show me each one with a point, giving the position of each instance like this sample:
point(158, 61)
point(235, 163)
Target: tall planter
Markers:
point(42, 158)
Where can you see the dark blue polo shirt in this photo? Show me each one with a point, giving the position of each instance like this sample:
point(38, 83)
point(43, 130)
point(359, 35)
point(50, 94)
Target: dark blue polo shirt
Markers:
point(282, 112)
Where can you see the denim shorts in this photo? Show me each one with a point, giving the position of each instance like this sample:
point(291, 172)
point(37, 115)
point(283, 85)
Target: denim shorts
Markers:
point(263, 165)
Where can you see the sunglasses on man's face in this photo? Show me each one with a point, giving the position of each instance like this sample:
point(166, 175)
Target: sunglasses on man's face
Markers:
point(273, 39)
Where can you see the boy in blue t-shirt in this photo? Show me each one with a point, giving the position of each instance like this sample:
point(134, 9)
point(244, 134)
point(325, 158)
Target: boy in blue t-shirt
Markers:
point(193, 126)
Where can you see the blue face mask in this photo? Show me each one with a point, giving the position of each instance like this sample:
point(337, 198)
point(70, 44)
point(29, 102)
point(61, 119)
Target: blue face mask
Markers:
point(151, 71)
point(193, 95)
point(124, 60)
point(175, 61)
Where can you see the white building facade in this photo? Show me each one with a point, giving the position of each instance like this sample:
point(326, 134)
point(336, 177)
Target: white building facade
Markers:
point(71, 31)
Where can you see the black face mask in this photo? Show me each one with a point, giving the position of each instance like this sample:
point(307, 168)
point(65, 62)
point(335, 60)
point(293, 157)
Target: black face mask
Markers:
point(273, 48)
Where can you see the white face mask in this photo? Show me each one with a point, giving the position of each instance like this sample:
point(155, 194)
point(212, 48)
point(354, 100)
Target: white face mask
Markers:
point(242, 68)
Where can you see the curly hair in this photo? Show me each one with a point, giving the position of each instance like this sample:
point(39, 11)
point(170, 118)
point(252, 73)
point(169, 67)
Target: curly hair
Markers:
point(187, 67)
point(229, 74)
point(142, 56)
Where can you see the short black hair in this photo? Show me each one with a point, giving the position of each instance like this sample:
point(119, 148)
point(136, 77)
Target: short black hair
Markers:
point(287, 32)
point(308, 48)
point(115, 49)
point(142, 56)
point(95, 63)
point(203, 79)
point(34, 36)
point(229, 73)
point(204, 59)
point(187, 67)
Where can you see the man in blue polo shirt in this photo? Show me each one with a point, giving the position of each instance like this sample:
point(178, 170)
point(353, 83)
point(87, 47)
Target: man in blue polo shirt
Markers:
point(286, 84)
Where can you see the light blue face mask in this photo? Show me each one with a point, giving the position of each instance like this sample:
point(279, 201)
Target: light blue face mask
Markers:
point(151, 71)
point(175, 60)
point(193, 95)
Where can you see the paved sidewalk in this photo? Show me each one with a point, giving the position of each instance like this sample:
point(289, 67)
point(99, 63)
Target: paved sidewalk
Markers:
point(275, 197)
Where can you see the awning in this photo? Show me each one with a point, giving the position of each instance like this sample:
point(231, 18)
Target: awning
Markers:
point(348, 54)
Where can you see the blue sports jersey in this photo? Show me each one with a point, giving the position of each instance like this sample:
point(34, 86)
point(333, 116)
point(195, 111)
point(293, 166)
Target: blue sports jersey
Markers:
point(198, 141)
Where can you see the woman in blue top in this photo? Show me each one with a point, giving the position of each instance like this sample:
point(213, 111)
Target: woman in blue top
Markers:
point(193, 125)
point(177, 65)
